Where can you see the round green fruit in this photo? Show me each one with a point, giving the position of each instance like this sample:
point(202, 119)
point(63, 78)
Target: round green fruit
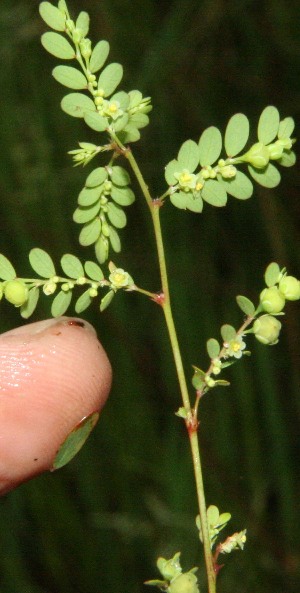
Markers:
point(16, 292)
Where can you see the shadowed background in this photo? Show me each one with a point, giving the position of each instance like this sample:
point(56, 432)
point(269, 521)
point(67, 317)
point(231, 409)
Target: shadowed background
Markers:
point(98, 525)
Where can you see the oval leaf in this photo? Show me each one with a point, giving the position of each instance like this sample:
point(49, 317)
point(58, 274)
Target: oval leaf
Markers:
point(171, 168)
point(116, 215)
point(31, 303)
point(96, 177)
point(110, 78)
point(239, 187)
point(102, 249)
point(72, 266)
point(228, 332)
point(83, 302)
point(179, 199)
point(188, 156)
point(272, 274)
point(237, 134)
point(58, 46)
point(214, 193)
point(7, 271)
point(75, 441)
point(122, 196)
point(70, 77)
point(268, 124)
point(286, 127)
point(77, 104)
point(119, 176)
point(89, 196)
point(41, 263)
point(61, 303)
point(83, 23)
point(288, 159)
point(93, 271)
point(52, 16)
point(90, 233)
point(210, 146)
point(99, 56)
point(83, 215)
point(268, 177)
point(213, 348)
point(114, 239)
point(245, 305)
point(95, 121)
point(106, 300)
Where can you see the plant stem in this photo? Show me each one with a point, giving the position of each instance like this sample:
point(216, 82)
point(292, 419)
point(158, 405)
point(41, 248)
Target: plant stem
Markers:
point(154, 206)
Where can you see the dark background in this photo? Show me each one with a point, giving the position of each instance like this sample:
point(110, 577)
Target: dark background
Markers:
point(98, 525)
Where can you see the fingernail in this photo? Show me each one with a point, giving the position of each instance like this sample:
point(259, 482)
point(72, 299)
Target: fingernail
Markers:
point(47, 325)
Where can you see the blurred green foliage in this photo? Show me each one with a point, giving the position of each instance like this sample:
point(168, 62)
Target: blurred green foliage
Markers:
point(99, 524)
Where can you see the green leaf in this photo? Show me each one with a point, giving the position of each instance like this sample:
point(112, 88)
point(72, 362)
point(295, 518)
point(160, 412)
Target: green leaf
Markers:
point(72, 266)
point(110, 78)
point(116, 215)
point(286, 128)
point(89, 196)
point(268, 124)
point(214, 193)
point(268, 177)
point(179, 199)
point(95, 121)
point(119, 176)
point(75, 441)
point(114, 239)
point(123, 196)
point(236, 134)
point(41, 263)
point(29, 307)
point(171, 168)
point(7, 271)
point(83, 302)
point(83, 215)
point(122, 98)
point(210, 146)
point(52, 16)
point(99, 56)
point(129, 134)
point(198, 379)
point(213, 348)
point(119, 124)
point(90, 232)
point(239, 187)
point(70, 77)
point(272, 274)
point(102, 249)
point(93, 271)
point(61, 303)
point(58, 46)
point(106, 300)
point(288, 159)
point(245, 305)
point(77, 104)
point(139, 120)
point(194, 204)
point(228, 332)
point(96, 177)
point(83, 23)
point(188, 156)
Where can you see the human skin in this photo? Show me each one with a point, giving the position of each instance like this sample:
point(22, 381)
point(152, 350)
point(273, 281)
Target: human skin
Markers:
point(53, 373)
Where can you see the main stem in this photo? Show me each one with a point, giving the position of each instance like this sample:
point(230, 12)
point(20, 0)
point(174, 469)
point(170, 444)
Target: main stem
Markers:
point(154, 206)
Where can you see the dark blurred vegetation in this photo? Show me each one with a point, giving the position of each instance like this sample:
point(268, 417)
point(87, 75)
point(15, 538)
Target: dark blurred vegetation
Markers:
point(99, 524)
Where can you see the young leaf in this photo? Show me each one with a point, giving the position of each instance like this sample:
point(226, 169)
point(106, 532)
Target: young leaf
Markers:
point(239, 187)
point(237, 134)
point(90, 232)
point(110, 78)
point(41, 263)
point(61, 303)
point(268, 124)
point(58, 46)
point(198, 379)
point(213, 348)
point(106, 300)
point(114, 239)
point(89, 196)
point(119, 176)
point(116, 215)
point(99, 56)
point(83, 215)
point(83, 23)
point(122, 196)
point(245, 305)
point(214, 193)
point(52, 16)
point(77, 104)
point(139, 120)
point(95, 121)
point(7, 271)
point(29, 307)
point(272, 274)
point(228, 332)
point(286, 128)
point(83, 302)
point(75, 441)
point(210, 146)
point(102, 249)
point(93, 271)
point(96, 177)
point(288, 159)
point(70, 77)
point(72, 266)
point(120, 123)
point(268, 177)
point(171, 168)
point(188, 155)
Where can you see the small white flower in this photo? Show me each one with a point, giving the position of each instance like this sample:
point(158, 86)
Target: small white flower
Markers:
point(235, 347)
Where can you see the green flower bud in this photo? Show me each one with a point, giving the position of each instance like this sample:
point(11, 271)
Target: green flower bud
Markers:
point(49, 287)
point(289, 287)
point(184, 583)
point(85, 47)
point(272, 300)
point(93, 292)
point(258, 155)
point(275, 150)
point(16, 292)
point(266, 329)
point(169, 568)
point(77, 35)
point(228, 172)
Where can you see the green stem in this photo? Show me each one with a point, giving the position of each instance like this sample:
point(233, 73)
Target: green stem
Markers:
point(154, 206)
